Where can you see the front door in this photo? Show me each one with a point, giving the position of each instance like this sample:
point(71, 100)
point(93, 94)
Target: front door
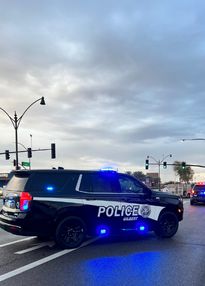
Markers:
point(135, 203)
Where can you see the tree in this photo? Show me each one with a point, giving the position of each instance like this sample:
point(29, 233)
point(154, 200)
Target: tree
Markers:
point(185, 175)
point(128, 172)
point(140, 176)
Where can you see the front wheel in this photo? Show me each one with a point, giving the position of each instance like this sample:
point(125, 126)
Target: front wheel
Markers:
point(70, 232)
point(167, 225)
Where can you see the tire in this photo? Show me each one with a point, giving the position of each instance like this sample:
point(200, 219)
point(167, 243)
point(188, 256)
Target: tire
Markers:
point(191, 203)
point(70, 232)
point(167, 225)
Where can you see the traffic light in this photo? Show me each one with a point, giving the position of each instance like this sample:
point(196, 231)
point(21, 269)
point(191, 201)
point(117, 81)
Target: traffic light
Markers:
point(53, 151)
point(7, 155)
point(183, 165)
point(29, 152)
point(165, 165)
point(14, 162)
point(147, 164)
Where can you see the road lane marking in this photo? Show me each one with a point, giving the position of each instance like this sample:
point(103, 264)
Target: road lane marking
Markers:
point(42, 244)
point(16, 241)
point(42, 261)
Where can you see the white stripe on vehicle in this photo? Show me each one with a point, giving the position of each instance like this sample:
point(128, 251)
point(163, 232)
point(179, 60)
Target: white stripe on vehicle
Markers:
point(111, 208)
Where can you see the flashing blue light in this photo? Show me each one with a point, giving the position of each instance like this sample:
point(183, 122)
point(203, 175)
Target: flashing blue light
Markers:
point(142, 228)
point(102, 230)
point(107, 169)
point(50, 188)
point(25, 208)
point(25, 205)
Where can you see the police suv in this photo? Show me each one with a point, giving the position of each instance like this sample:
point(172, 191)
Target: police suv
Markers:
point(70, 204)
point(198, 194)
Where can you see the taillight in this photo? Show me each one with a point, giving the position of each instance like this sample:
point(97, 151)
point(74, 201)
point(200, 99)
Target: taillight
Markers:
point(25, 201)
point(192, 192)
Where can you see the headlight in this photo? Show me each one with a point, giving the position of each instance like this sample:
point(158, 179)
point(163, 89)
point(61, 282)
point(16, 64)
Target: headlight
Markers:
point(181, 199)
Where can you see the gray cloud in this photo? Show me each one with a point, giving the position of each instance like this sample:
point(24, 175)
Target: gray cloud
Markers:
point(121, 80)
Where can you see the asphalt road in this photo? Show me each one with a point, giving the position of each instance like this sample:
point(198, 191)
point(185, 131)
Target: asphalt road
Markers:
point(128, 260)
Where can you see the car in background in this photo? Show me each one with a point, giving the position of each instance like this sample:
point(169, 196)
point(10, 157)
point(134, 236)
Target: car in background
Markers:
point(1, 192)
point(198, 194)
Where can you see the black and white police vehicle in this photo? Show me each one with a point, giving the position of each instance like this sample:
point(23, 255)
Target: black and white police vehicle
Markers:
point(70, 204)
point(198, 194)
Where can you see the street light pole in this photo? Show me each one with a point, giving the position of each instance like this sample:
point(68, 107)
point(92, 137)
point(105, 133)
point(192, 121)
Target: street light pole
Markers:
point(159, 163)
point(16, 122)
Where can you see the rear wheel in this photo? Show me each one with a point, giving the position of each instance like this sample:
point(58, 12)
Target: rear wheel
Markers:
point(70, 232)
point(167, 225)
point(191, 203)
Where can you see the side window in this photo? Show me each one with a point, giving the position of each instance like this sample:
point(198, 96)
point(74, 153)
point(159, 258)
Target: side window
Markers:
point(86, 185)
point(129, 185)
point(104, 183)
point(49, 182)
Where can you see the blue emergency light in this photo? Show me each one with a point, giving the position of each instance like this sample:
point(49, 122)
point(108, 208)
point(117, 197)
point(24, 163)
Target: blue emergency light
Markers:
point(107, 169)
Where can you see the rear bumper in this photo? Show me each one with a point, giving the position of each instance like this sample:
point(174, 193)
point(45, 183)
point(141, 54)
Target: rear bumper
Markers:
point(198, 199)
point(14, 227)
point(11, 228)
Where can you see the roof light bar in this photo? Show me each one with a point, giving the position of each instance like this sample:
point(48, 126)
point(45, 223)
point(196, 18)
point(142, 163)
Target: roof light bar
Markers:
point(107, 169)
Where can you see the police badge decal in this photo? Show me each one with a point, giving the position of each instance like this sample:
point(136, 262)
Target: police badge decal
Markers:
point(145, 211)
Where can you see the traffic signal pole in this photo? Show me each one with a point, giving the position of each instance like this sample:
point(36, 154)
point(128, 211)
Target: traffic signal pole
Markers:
point(16, 139)
point(29, 152)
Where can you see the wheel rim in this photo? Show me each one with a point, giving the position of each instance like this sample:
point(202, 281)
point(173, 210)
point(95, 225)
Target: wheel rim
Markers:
point(168, 225)
point(72, 232)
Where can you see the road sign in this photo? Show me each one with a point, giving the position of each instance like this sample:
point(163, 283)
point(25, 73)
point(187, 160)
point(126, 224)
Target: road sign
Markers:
point(26, 164)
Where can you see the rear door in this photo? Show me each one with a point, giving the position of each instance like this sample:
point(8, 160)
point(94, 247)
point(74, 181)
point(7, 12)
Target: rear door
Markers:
point(12, 209)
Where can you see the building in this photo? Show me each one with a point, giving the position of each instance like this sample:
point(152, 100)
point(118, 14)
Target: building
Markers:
point(5, 178)
point(151, 180)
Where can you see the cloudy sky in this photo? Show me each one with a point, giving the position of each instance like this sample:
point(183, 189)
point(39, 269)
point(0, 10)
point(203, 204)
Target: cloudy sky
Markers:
point(121, 80)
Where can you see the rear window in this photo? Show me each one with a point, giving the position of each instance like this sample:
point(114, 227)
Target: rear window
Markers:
point(17, 183)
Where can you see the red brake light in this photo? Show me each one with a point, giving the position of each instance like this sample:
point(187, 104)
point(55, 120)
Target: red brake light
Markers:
point(25, 201)
point(192, 192)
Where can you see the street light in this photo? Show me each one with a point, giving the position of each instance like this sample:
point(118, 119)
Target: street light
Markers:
point(159, 163)
point(16, 122)
point(192, 139)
